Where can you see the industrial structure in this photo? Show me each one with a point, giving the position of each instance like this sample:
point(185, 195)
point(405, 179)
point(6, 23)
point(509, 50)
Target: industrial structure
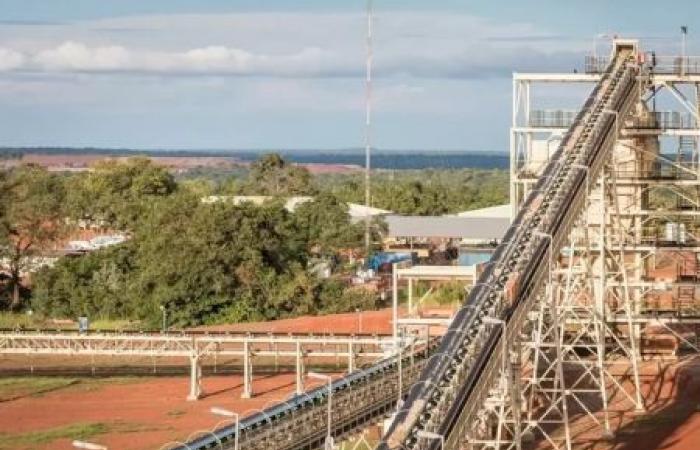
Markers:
point(572, 288)
point(601, 254)
point(197, 348)
point(600, 207)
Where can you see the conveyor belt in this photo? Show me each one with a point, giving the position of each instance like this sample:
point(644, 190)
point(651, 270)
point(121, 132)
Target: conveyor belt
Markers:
point(455, 384)
point(359, 398)
point(455, 378)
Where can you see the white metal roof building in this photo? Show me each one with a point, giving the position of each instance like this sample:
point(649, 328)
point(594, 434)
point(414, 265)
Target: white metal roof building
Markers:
point(473, 229)
point(500, 211)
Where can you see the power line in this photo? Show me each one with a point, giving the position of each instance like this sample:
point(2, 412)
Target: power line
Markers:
point(368, 127)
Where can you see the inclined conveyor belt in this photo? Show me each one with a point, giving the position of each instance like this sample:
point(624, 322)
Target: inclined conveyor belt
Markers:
point(455, 383)
point(451, 384)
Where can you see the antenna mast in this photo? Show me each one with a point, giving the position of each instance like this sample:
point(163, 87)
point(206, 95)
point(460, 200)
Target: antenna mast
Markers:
point(368, 127)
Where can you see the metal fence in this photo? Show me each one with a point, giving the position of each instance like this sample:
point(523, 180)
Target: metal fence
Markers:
point(677, 65)
point(552, 118)
point(660, 170)
point(596, 64)
point(665, 120)
point(670, 65)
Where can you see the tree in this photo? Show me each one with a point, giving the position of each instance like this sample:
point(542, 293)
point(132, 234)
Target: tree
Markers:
point(325, 225)
point(272, 175)
point(117, 193)
point(94, 285)
point(337, 297)
point(207, 261)
point(31, 220)
point(424, 192)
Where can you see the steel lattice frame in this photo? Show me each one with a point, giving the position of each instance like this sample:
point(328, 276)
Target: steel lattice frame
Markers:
point(597, 284)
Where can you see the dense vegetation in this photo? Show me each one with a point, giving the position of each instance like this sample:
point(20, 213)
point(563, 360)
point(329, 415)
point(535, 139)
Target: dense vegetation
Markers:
point(425, 192)
point(416, 192)
point(204, 262)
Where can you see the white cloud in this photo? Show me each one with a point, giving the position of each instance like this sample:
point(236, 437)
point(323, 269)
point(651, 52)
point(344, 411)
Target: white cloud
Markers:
point(310, 62)
point(300, 79)
point(288, 45)
point(76, 56)
point(10, 59)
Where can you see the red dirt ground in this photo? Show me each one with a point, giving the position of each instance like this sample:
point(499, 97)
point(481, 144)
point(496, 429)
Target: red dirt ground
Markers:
point(159, 408)
point(365, 322)
point(157, 405)
point(671, 393)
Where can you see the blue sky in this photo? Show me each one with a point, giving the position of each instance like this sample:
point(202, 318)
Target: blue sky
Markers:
point(245, 74)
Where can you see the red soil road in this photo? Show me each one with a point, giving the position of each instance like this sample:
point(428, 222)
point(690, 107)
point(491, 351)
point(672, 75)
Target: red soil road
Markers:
point(365, 322)
point(157, 406)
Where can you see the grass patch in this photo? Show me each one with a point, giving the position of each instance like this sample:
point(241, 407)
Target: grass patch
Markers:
point(443, 294)
point(89, 384)
point(131, 427)
point(176, 413)
point(104, 324)
point(18, 387)
point(16, 320)
point(34, 321)
point(13, 388)
point(80, 431)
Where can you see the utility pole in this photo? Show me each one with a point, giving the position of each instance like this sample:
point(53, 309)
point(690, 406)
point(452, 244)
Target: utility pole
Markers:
point(368, 129)
point(684, 35)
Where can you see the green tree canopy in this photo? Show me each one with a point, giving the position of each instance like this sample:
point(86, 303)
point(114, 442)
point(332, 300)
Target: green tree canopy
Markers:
point(325, 225)
point(117, 193)
point(272, 175)
point(424, 192)
point(214, 262)
point(31, 220)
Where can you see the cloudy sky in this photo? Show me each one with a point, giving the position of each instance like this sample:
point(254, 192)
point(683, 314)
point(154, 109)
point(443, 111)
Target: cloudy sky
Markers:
point(281, 74)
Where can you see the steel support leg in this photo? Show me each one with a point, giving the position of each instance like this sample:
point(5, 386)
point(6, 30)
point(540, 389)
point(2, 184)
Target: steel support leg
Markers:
point(195, 379)
point(247, 372)
point(300, 369)
point(351, 357)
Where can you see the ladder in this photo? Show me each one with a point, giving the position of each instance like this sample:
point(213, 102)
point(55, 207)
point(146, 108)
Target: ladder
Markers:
point(685, 301)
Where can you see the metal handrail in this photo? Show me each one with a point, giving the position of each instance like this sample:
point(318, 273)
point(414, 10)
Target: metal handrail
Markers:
point(667, 120)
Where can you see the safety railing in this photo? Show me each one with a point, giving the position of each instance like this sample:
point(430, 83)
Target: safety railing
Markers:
point(670, 235)
point(659, 171)
point(666, 65)
point(677, 65)
point(552, 118)
point(666, 120)
point(596, 64)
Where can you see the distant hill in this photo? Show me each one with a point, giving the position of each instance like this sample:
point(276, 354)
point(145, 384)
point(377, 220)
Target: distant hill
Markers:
point(381, 159)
